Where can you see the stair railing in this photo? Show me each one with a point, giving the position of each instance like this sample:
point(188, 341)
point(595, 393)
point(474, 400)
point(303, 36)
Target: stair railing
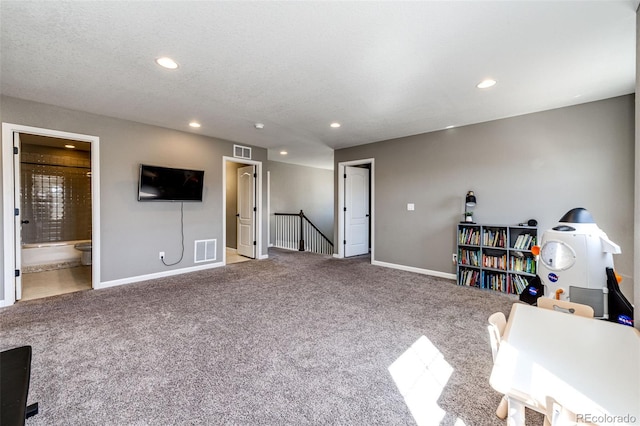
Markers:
point(294, 231)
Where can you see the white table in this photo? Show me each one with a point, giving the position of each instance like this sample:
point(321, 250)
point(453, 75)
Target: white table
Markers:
point(590, 366)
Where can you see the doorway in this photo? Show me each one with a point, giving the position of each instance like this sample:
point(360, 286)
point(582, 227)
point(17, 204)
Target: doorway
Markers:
point(51, 216)
point(242, 210)
point(356, 192)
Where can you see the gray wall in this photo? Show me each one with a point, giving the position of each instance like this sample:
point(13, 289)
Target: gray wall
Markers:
point(295, 188)
point(533, 166)
point(134, 232)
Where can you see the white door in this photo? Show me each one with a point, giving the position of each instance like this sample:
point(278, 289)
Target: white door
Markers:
point(18, 217)
point(356, 214)
point(246, 211)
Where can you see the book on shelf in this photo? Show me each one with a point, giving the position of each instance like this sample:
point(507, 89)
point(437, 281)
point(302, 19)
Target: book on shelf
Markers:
point(519, 283)
point(522, 264)
point(524, 242)
point(495, 262)
point(469, 236)
point(469, 257)
point(494, 237)
point(469, 277)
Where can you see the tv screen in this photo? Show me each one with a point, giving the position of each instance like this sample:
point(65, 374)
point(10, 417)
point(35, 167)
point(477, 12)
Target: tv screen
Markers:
point(167, 184)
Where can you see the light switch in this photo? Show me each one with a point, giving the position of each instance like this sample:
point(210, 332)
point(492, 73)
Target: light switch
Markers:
point(411, 207)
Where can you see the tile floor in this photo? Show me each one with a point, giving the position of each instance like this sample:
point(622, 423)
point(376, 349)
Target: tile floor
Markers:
point(50, 283)
point(234, 257)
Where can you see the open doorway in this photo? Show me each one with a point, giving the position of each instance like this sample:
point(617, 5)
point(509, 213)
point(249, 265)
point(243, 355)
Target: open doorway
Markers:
point(242, 210)
point(51, 181)
point(55, 210)
point(356, 192)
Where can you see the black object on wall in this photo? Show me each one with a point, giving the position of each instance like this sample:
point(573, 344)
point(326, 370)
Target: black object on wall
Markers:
point(168, 184)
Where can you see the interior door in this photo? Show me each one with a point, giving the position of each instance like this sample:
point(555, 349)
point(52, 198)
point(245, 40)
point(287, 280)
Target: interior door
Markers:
point(356, 215)
point(18, 217)
point(246, 211)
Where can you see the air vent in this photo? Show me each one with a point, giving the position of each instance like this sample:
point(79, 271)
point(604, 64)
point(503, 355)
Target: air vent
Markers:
point(205, 251)
point(240, 151)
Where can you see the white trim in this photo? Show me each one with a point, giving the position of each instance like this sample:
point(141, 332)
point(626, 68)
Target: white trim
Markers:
point(8, 219)
point(372, 201)
point(439, 274)
point(172, 272)
point(258, 164)
point(269, 209)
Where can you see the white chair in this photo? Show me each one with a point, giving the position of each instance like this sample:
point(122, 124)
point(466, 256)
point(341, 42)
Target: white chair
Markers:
point(565, 306)
point(497, 324)
point(496, 328)
point(557, 415)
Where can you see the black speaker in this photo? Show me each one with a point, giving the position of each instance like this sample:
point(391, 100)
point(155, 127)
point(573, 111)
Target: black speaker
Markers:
point(532, 222)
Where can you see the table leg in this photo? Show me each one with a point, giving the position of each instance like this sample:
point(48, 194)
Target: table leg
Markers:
point(515, 413)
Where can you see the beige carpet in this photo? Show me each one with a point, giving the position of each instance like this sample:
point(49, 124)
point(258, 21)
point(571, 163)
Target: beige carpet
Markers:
point(298, 339)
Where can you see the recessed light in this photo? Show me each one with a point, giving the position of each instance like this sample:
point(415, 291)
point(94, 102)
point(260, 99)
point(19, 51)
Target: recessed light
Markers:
point(485, 84)
point(259, 125)
point(195, 124)
point(167, 62)
point(69, 146)
point(283, 152)
point(335, 125)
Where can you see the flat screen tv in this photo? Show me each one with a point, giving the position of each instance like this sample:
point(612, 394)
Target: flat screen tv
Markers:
point(167, 184)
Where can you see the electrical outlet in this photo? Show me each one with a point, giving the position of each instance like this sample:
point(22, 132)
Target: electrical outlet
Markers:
point(454, 257)
point(161, 255)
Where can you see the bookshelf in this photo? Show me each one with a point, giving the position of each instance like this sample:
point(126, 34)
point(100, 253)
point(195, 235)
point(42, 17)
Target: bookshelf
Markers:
point(496, 257)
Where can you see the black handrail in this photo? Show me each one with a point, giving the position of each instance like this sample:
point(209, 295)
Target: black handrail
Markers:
point(302, 216)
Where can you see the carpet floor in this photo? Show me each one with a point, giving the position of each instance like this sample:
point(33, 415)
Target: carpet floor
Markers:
point(297, 339)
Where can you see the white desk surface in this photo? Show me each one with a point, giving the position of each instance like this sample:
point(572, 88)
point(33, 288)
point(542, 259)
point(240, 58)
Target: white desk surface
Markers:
point(590, 366)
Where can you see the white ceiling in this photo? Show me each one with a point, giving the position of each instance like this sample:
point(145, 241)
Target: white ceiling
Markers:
point(382, 69)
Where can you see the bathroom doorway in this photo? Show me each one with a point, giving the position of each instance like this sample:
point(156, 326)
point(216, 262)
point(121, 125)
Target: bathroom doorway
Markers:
point(53, 191)
point(55, 210)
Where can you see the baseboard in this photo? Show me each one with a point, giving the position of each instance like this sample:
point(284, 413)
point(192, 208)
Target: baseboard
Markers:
point(414, 269)
point(264, 256)
point(130, 280)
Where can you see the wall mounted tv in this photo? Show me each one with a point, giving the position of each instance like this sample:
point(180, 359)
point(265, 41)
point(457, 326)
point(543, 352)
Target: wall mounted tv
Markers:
point(167, 184)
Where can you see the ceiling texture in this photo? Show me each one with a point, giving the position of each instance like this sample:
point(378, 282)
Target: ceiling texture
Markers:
point(383, 70)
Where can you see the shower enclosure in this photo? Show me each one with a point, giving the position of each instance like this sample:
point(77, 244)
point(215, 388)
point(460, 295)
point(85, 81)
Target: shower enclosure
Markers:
point(55, 203)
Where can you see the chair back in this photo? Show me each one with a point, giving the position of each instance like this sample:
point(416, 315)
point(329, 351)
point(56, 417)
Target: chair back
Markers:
point(566, 307)
point(497, 324)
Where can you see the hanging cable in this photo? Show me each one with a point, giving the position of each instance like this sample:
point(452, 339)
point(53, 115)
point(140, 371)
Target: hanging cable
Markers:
point(182, 240)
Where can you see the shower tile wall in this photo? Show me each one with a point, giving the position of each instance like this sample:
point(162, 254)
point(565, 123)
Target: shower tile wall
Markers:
point(56, 194)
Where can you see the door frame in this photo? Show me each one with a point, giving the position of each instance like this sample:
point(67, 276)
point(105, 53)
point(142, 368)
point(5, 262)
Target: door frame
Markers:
point(258, 164)
point(8, 201)
point(341, 204)
point(239, 210)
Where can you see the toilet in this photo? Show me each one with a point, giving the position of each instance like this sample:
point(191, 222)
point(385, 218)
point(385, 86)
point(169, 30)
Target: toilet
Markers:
point(85, 248)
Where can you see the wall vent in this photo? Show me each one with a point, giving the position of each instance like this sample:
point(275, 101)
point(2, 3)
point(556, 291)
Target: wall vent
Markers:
point(205, 251)
point(240, 151)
